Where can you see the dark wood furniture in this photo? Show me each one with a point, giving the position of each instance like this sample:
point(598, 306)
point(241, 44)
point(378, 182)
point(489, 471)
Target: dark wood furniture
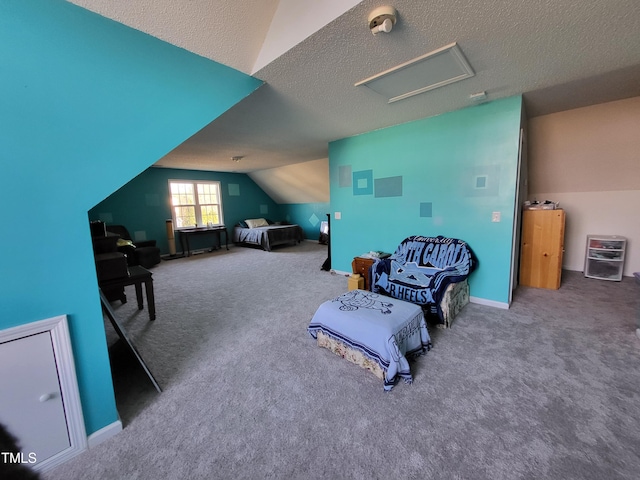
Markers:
point(361, 265)
point(109, 266)
point(137, 276)
point(110, 263)
point(326, 266)
point(268, 236)
point(185, 233)
point(106, 243)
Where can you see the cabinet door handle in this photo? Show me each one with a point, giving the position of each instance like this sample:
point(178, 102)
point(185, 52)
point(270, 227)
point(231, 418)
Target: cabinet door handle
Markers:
point(46, 397)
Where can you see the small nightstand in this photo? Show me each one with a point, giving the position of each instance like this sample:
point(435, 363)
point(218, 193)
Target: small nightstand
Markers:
point(361, 265)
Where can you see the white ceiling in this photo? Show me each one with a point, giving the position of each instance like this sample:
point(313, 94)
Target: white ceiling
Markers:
point(561, 54)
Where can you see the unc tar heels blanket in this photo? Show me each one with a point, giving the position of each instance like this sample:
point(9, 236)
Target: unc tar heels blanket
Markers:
point(384, 329)
point(421, 269)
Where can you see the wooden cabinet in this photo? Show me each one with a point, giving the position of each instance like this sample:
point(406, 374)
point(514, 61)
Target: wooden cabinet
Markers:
point(361, 265)
point(542, 248)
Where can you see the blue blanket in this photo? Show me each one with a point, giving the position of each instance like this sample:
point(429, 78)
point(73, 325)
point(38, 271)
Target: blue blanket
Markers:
point(385, 330)
point(422, 268)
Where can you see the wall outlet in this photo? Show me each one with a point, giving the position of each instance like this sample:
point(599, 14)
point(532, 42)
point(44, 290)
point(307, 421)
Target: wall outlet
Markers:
point(495, 217)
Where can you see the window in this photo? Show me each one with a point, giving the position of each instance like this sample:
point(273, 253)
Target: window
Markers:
point(195, 203)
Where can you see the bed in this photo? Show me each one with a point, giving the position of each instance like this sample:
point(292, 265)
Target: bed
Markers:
point(265, 235)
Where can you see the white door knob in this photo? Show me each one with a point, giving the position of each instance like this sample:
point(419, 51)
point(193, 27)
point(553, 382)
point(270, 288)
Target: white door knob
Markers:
point(46, 396)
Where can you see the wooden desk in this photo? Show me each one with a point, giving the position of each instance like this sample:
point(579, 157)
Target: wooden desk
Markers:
point(185, 233)
point(137, 276)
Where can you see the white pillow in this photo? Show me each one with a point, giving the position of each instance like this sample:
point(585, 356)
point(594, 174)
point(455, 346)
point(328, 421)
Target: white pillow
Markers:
point(256, 222)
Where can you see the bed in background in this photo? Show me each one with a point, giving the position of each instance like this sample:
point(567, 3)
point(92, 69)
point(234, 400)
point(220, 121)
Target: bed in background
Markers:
point(259, 232)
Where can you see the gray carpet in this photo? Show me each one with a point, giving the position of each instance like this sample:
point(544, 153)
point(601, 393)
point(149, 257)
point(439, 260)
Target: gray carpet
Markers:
point(549, 389)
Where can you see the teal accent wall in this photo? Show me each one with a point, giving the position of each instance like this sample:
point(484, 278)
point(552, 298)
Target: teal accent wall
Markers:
point(307, 215)
point(461, 165)
point(143, 204)
point(86, 104)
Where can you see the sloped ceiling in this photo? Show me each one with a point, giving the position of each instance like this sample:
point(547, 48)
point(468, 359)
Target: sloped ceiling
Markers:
point(229, 32)
point(560, 54)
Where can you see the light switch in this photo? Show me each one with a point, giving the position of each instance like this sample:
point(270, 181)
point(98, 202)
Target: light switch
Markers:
point(495, 217)
point(337, 215)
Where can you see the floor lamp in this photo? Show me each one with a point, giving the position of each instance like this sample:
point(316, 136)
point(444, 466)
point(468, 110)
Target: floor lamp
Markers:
point(171, 239)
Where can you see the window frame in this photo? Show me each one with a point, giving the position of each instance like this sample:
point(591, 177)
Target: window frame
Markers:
point(197, 205)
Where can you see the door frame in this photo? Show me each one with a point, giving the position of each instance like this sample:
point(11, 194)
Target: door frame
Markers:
point(58, 329)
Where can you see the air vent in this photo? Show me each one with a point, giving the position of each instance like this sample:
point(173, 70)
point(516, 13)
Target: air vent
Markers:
point(427, 72)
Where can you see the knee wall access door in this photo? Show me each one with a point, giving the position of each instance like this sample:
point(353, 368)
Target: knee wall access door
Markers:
point(39, 399)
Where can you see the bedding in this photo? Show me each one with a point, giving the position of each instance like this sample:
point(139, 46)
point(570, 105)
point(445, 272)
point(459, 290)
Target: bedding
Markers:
point(421, 269)
point(256, 222)
point(267, 237)
point(386, 331)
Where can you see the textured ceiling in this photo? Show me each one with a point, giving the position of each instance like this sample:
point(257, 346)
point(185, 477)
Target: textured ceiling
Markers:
point(561, 54)
point(227, 31)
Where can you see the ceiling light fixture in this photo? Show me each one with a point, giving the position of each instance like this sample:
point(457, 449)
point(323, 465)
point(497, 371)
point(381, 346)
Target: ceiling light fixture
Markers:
point(382, 19)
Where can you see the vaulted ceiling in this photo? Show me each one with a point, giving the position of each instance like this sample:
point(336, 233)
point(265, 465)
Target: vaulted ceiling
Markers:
point(561, 54)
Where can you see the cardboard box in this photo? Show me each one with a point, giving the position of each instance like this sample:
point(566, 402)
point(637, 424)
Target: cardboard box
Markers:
point(356, 282)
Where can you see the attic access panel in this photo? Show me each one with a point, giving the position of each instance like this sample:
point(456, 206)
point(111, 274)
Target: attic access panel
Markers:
point(432, 70)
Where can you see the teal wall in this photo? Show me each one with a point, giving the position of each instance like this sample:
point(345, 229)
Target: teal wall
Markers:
point(307, 215)
point(424, 178)
point(143, 204)
point(86, 104)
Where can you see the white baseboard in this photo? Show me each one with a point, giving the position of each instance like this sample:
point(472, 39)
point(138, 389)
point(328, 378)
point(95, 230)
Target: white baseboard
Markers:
point(340, 272)
point(105, 433)
point(489, 303)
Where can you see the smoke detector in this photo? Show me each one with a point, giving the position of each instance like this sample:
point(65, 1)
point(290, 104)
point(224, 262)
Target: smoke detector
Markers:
point(382, 19)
